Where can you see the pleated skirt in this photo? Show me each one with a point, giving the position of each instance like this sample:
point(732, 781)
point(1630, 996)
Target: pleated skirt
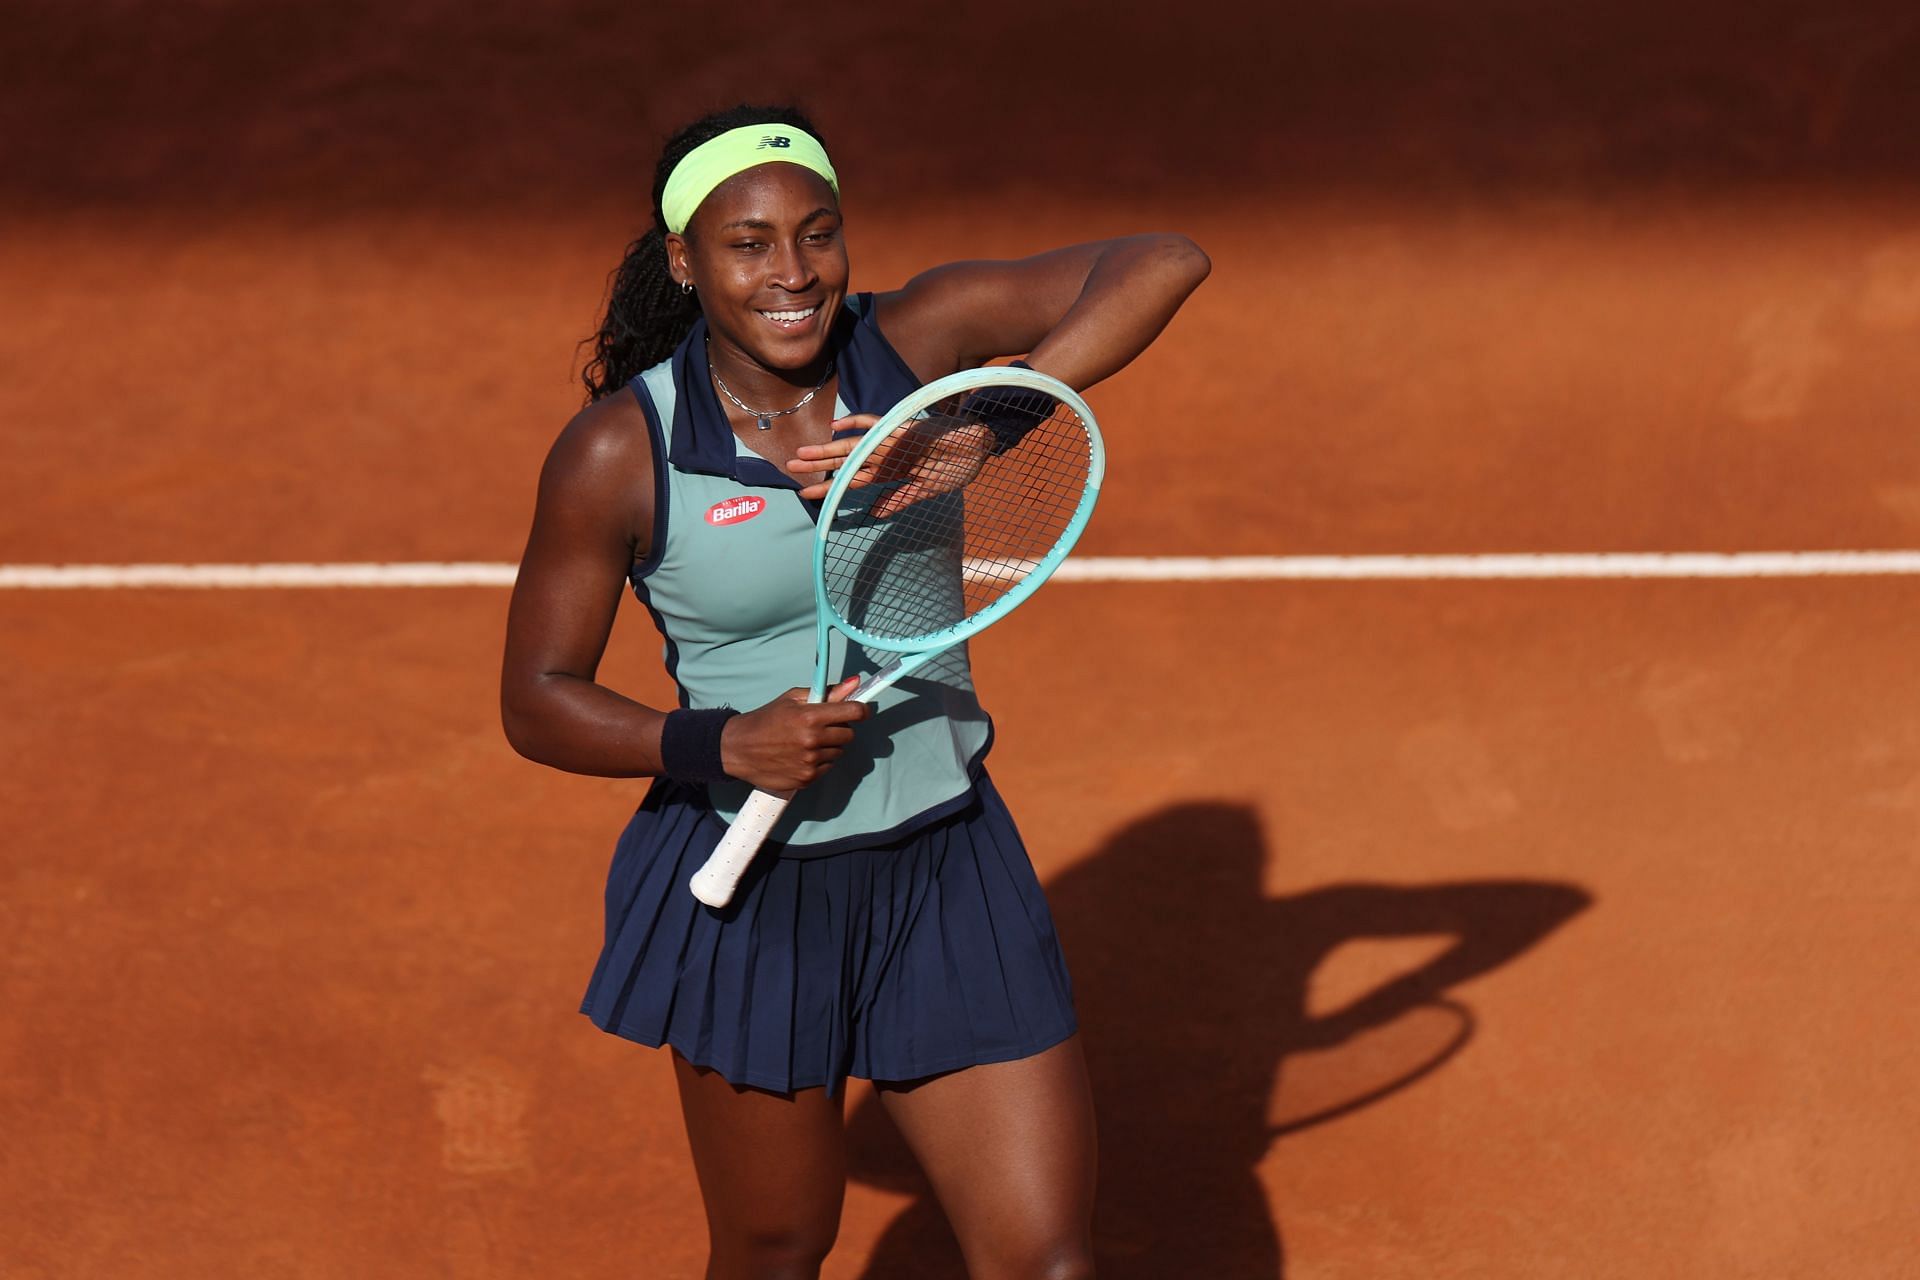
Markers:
point(906, 960)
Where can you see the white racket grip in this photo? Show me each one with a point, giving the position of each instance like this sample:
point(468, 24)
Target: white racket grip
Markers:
point(715, 882)
point(875, 683)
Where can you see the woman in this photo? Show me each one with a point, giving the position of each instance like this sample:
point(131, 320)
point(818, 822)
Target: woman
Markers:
point(895, 931)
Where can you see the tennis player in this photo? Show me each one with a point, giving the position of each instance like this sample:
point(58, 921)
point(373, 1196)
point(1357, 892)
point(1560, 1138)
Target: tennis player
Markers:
point(895, 930)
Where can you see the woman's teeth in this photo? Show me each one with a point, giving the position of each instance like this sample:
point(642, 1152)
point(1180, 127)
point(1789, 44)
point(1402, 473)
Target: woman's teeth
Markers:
point(789, 317)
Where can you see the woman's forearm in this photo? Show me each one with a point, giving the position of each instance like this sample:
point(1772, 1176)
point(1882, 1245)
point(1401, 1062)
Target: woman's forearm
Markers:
point(574, 724)
point(1131, 292)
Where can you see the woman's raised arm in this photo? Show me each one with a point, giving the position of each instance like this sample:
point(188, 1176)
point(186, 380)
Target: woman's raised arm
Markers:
point(1081, 313)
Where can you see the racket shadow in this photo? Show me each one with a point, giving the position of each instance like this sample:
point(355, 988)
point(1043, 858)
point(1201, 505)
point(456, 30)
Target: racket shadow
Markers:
point(1214, 1025)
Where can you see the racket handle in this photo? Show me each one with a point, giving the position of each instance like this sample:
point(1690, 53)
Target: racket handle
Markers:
point(715, 882)
point(875, 683)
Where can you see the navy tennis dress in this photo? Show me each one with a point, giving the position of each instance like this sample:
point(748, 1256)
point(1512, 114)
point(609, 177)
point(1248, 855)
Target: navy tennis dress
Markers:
point(893, 928)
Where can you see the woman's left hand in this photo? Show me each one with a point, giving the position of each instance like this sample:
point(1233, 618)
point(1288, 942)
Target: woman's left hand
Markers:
point(819, 461)
point(924, 460)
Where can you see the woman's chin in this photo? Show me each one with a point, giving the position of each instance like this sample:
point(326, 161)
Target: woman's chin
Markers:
point(795, 356)
point(789, 341)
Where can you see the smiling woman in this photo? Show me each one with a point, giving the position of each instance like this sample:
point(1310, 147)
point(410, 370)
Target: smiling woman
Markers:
point(754, 191)
point(896, 930)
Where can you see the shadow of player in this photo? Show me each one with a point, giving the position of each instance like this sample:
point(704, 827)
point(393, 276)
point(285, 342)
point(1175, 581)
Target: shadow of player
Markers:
point(1197, 998)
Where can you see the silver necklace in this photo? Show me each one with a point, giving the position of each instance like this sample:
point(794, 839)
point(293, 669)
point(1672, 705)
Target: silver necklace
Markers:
point(763, 418)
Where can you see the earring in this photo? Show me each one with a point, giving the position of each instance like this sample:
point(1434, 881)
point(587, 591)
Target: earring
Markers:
point(686, 287)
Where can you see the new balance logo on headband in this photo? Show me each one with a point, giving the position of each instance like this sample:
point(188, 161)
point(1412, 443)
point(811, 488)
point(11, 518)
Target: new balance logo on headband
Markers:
point(774, 140)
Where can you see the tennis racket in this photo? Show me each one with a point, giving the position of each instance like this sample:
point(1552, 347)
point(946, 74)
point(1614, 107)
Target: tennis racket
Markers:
point(947, 514)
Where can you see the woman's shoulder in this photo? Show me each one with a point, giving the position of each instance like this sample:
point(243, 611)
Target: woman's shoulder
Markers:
point(909, 320)
point(605, 450)
point(613, 424)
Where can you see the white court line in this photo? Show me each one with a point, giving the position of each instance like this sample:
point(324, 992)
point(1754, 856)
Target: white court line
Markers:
point(1652, 564)
point(1745, 564)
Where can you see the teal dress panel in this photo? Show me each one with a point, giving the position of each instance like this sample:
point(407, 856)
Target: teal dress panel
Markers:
point(729, 582)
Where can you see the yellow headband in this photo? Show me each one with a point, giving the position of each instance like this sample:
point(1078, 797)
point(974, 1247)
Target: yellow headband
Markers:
point(717, 159)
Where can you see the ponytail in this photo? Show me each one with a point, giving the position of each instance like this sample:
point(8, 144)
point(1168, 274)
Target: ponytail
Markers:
point(647, 316)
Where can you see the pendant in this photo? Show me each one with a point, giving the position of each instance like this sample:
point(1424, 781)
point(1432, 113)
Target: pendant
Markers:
point(764, 423)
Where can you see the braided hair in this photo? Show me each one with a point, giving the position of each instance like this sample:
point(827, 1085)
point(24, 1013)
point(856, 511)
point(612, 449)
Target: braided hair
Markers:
point(647, 313)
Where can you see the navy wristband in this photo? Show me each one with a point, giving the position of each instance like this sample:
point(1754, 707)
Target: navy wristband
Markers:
point(690, 745)
point(1009, 412)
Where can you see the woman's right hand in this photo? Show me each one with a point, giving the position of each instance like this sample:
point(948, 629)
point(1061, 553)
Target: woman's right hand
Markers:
point(790, 742)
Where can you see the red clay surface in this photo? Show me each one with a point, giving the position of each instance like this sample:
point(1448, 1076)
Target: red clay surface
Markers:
point(1476, 930)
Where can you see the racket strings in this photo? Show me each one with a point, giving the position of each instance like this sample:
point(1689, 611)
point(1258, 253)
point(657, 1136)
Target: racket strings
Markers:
point(973, 496)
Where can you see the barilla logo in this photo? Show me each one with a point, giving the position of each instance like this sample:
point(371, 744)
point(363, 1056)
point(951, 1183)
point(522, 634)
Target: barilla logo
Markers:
point(734, 510)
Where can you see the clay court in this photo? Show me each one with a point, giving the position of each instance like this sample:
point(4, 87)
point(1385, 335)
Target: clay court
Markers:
point(1545, 926)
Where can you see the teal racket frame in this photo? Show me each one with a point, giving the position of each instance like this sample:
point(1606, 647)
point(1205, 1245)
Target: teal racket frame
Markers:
point(714, 883)
point(920, 649)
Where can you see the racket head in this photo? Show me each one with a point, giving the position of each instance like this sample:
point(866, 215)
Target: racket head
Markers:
point(1032, 500)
